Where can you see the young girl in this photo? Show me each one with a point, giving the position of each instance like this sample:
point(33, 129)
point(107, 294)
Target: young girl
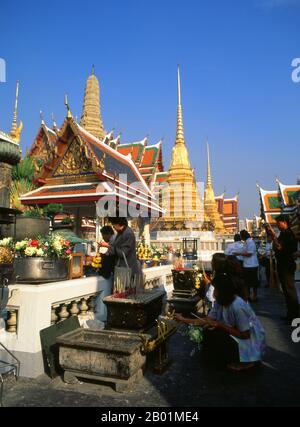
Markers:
point(233, 335)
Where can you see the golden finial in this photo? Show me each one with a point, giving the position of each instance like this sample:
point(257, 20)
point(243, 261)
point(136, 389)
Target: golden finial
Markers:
point(69, 115)
point(209, 180)
point(179, 132)
point(15, 130)
point(179, 86)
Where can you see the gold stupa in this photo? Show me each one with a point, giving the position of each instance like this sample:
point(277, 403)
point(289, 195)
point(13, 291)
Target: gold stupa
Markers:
point(91, 119)
point(181, 198)
point(211, 214)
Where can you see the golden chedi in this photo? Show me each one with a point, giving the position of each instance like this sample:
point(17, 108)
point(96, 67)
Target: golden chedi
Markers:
point(91, 119)
point(181, 198)
point(211, 214)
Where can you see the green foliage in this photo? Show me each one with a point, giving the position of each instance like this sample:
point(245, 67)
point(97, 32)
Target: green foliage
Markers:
point(67, 221)
point(24, 170)
point(53, 209)
point(195, 333)
point(34, 213)
point(17, 188)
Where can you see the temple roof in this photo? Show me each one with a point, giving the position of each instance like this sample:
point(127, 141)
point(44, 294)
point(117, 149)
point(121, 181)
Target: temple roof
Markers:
point(7, 138)
point(288, 193)
point(78, 156)
point(87, 192)
point(148, 158)
point(135, 149)
point(270, 200)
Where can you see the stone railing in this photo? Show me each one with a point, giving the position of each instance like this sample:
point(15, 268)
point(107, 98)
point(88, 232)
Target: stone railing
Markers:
point(156, 277)
point(32, 308)
point(77, 307)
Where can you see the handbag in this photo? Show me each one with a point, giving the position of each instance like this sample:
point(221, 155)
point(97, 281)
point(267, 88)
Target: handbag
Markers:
point(122, 278)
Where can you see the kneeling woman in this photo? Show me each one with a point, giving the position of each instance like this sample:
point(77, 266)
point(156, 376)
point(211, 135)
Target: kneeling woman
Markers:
point(233, 335)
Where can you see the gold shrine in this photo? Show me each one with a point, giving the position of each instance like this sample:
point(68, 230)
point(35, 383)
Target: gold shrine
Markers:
point(180, 197)
point(91, 119)
point(211, 214)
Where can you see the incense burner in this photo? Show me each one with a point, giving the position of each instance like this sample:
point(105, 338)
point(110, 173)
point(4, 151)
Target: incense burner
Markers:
point(109, 356)
point(136, 313)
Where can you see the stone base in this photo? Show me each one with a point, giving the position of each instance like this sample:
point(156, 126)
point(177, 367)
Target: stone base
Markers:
point(120, 386)
point(113, 357)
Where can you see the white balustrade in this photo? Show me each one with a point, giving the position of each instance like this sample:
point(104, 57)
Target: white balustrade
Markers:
point(32, 308)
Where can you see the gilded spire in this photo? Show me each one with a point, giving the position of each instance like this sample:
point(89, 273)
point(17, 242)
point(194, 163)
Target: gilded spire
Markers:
point(210, 208)
point(69, 115)
point(182, 193)
point(209, 180)
point(91, 115)
point(179, 132)
point(15, 130)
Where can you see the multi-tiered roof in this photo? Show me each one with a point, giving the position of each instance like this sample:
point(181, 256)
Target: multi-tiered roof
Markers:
point(282, 200)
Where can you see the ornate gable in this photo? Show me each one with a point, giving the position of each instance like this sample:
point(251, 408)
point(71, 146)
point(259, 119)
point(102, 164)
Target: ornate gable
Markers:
point(74, 162)
point(43, 148)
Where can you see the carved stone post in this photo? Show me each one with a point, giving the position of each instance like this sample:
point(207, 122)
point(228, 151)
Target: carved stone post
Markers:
point(63, 314)
point(12, 321)
point(54, 317)
point(74, 310)
point(83, 307)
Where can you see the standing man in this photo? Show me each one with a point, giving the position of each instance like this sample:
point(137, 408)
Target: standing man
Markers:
point(285, 247)
point(250, 265)
point(236, 246)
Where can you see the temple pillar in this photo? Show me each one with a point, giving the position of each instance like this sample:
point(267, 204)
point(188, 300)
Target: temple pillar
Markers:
point(146, 232)
point(5, 183)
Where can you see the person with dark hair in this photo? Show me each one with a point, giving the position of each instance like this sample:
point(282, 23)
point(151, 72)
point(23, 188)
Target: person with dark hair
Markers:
point(250, 265)
point(123, 245)
point(108, 234)
point(234, 270)
point(233, 335)
point(218, 265)
point(285, 247)
point(236, 246)
point(108, 261)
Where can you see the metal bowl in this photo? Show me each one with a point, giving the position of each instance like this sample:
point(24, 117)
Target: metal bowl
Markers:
point(40, 270)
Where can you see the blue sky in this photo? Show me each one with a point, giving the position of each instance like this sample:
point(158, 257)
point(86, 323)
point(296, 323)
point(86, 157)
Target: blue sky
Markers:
point(235, 58)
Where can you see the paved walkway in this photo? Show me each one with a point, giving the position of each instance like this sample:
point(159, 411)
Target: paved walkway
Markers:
point(188, 382)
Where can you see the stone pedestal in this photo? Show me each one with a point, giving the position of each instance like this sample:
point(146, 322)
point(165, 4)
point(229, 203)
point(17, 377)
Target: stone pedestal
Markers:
point(109, 356)
point(185, 296)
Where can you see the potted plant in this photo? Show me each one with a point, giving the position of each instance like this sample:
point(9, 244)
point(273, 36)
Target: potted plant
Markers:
point(32, 223)
point(42, 260)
